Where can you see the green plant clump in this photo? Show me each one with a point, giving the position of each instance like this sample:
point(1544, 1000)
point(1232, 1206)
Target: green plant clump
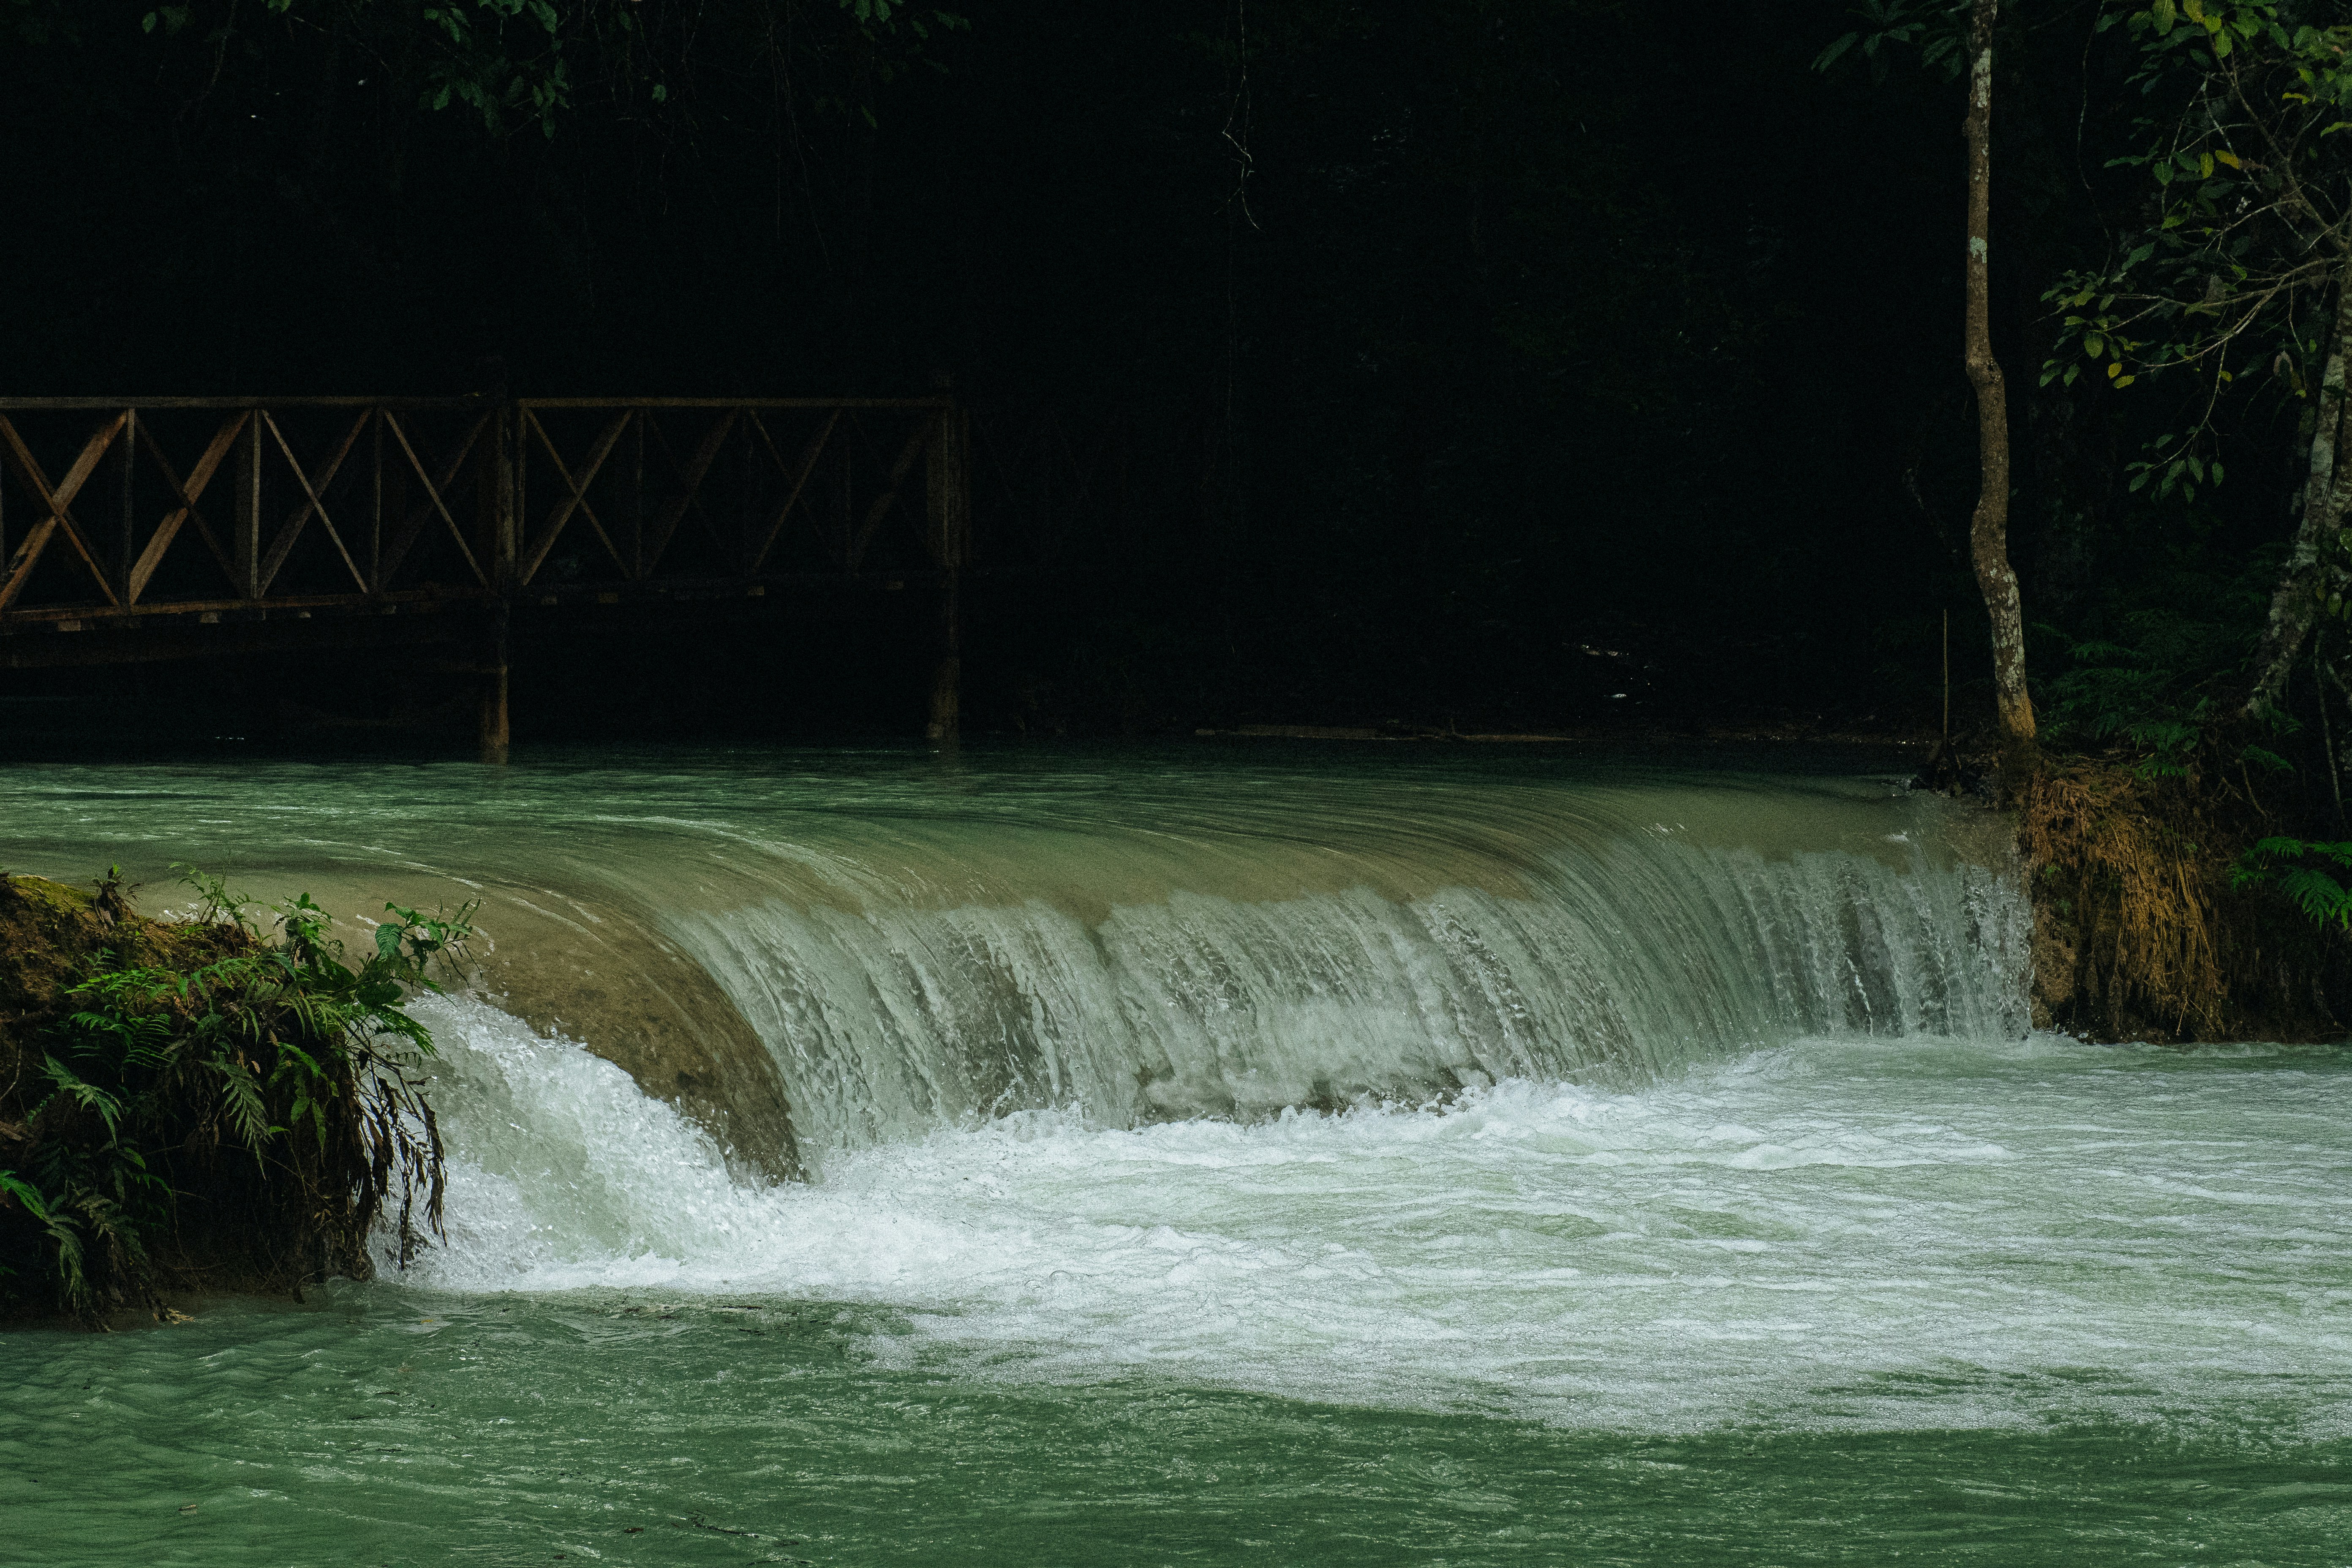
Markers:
point(206, 1104)
point(2307, 872)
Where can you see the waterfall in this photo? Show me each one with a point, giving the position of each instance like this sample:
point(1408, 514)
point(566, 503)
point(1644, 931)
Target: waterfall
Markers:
point(1613, 954)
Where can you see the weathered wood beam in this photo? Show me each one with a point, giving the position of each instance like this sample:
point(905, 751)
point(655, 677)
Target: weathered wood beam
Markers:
point(245, 526)
point(434, 502)
point(875, 513)
point(947, 487)
point(56, 502)
point(186, 492)
point(729, 403)
point(691, 477)
point(283, 545)
point(798, 477)
point(21, 565)
point(58, 404)
point(126, 530)
point(577, 498)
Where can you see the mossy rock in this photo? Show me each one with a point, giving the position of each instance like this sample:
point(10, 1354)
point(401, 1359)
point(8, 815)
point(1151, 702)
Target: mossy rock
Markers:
point(210, 1112)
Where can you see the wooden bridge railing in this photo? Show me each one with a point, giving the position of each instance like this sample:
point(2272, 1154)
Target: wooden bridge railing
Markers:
point(118, 513)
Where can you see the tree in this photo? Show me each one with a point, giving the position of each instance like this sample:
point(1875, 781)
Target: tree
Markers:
point(2234, 284)
point(1935, 30)
point(1988, 528)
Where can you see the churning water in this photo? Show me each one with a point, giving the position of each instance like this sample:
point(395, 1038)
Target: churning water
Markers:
point(1355, 1158)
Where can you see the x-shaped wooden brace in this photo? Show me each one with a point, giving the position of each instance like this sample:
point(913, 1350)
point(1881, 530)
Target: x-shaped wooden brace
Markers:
point(883, 502)
point(690, 477)
point(283, 544)
point(577, 498)
point(398, 549)
point(55, 501)
point(186, 492)
point(799, 478)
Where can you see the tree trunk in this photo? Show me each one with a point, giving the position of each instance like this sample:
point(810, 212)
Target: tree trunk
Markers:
point(1988, 530)
point(2296, 600)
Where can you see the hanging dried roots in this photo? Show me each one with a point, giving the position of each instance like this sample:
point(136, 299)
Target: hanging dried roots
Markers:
point(2138, 933)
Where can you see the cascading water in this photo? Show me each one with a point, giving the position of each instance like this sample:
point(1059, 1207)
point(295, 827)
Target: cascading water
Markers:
point(1462, 1154)
point(1613, 960)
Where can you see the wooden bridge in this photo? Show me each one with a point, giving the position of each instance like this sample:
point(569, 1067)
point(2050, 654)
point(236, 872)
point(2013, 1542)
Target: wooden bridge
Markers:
point(142, 528)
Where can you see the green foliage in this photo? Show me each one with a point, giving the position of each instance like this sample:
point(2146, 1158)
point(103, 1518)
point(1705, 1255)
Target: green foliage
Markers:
point(2308, 872)
point(2226, 287)
point(1937, 28)
point(2165, 642)
point(518, 64)
point(278, 1048)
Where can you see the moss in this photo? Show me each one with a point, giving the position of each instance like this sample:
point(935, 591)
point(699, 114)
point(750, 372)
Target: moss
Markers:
point(199, 1105)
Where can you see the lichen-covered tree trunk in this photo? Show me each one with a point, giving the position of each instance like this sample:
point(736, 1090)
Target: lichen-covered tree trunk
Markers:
point(1988, 530)
point(2296, 601)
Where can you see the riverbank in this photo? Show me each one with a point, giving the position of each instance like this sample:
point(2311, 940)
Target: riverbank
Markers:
point(201, 1105)
point(2152, 919)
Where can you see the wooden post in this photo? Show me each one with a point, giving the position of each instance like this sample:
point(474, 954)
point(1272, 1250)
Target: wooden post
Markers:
point(500, 485)
point(508, 549)
point(947, 475)
point(375, 509)
point(494, 501)
point(491, 670)
point(245, 533)
point(638, 505)
point(126, 545)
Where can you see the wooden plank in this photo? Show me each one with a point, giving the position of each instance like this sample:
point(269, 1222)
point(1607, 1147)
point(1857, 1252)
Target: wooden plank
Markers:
point(729, 403)
point(28, 555)
point(418, 519)
point(30, 404)
point(697, 467)
point(58, 501)
point(187, 493)
point(126, 519)
point(800, 479)
point(283, 545)
point(423, 600)
point(882, 503)
point(577, 500)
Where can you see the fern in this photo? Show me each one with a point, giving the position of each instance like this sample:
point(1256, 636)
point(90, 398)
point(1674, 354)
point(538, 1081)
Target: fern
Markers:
point(2285, 864)
point(274, 1043)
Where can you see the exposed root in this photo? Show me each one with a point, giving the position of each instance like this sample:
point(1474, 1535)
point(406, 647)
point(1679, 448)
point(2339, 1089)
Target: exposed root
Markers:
point(2138, 933)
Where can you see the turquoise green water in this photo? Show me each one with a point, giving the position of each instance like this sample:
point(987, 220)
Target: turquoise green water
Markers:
point(1315, 1161)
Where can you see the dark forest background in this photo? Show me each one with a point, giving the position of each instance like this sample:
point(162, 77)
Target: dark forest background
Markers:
point(1433, 362)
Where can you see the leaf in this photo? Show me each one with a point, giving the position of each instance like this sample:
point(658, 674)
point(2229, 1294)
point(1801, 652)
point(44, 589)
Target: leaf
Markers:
point(27, 1194)
point(242, 1096)
point(2224, 156)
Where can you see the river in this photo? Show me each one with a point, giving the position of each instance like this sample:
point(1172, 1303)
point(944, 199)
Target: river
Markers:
point(1357, 1155)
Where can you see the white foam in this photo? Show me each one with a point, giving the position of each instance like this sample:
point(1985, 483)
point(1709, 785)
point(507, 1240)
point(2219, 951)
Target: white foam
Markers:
point(1829, 1232)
